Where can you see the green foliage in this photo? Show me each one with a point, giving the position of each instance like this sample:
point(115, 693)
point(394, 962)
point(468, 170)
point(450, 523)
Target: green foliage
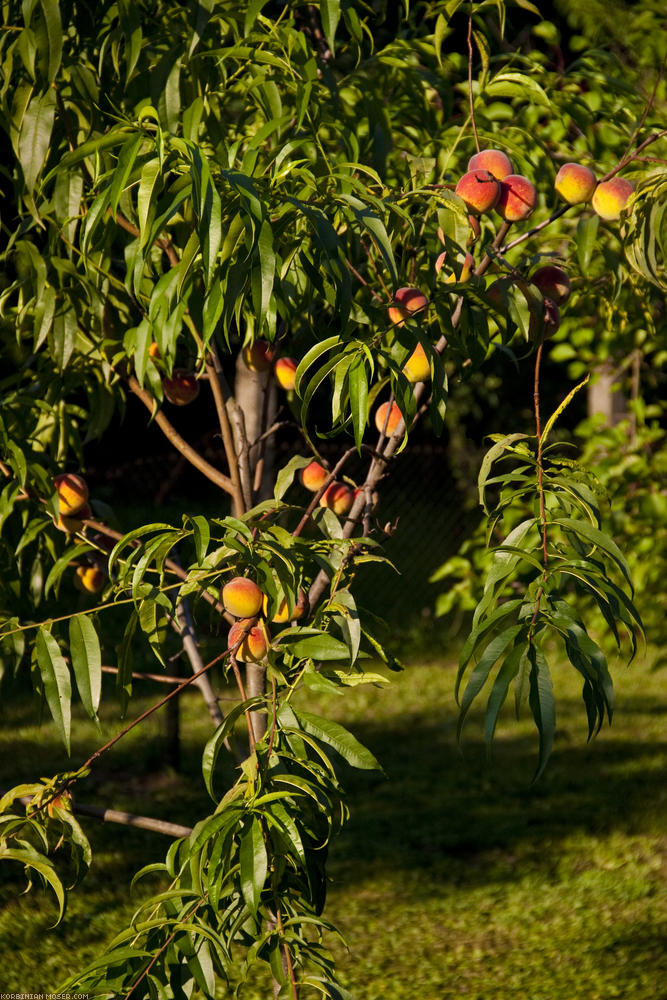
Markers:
point(187, 181)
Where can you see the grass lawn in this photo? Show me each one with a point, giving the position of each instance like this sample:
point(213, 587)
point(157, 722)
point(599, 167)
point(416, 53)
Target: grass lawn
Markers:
point(453, 879)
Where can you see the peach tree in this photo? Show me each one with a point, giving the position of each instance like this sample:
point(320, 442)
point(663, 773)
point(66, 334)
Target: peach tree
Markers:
point(328, 203)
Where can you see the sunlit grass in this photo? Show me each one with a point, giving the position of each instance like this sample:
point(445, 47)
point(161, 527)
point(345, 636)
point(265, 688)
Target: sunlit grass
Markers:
point(454, 878)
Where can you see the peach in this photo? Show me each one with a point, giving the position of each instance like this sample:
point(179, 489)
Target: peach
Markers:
point(389, 416)
point(314, 476)
point(181, 388)
point(462, 272)
point(253, 638)
point(154, 351)
point(493, 160)
point(611, 197)
point(575, 183)
point(71, 524)
point(242, 597)
point(518, 198)
point(90, 579)
point(553, 283)
point(337, 497)
point(417, 367)
point(285, 370)
point(283, 615)
point(258, 357)
point(72, 491)
point(407, 302)
point(479, 189)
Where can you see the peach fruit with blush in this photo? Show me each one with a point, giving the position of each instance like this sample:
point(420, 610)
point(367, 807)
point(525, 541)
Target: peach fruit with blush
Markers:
point(518, 197)
point(337, 497)
point(493, 160)
point(479, 189)
point(285, 370)
point(253, 638)
point(72, 491)
point(611, 197)
point(181, 388)
point(314, 476)
point(407, 302)
point(553, 282)
point(389, 415)
point(242, 597)
point(258, 356)
point(575, 183)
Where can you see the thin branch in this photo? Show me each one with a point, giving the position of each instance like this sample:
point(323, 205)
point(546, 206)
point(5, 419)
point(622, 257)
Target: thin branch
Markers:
point(629, 157)
point(181, 445)
point(536, 229)
point(162, 241)
point(124, 818)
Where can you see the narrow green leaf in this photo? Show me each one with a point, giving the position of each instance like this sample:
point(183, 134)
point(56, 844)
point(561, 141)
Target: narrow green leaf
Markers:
point(557, 412)
point(31, 859)
point(254, 865)
point(56, 680)
point(492, 454)
point(587, 230)
point(358, 385)
point(86, 662)
point(330, 13)
point(542, 704)
point(342, 741)
point(35, 136)
point(54, 34)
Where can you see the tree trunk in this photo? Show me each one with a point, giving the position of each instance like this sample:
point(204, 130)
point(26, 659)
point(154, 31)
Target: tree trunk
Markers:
point(605, 394)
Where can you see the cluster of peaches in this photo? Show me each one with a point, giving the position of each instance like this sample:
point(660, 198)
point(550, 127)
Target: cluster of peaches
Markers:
point(72, 492)
point(491, 184)
point(182, 387)
point(242, 598)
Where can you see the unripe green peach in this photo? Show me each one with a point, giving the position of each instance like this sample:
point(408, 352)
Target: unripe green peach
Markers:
point(389, 415)
point(181, 388)
point(285, 370)
point(242, 597)
point(611, 197)
point(253, 638)
point(493, 160)
point(337, 497)
point(407, 302)
point(417, 367)
point(283, 615)
point(553, 283)
point(314, 476)
point(518, 198)
point(479, 189)
point(575, 183)
point(72, 491)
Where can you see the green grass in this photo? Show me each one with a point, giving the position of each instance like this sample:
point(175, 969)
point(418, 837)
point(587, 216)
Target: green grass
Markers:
point(454, 878)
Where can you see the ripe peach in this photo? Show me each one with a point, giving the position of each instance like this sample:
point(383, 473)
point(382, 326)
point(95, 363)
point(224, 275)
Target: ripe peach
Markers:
point(181, 388)
point(417, 367)
point(611, 197)
point(479, 189)
point(258, 357)
point(254, 644)
point(73, 523)
point(285, 370)
point(553, 282)
point(242, 597)
point(575, 183)
point(90, 579)
point(72, 492)
point(313, 476)
point(407, 302)
point(518, 198)
point(283, 615)
point(337, 497)
point(392, 421)
point(493, 160)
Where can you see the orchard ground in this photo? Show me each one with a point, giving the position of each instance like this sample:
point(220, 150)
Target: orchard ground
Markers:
point(455, 878)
